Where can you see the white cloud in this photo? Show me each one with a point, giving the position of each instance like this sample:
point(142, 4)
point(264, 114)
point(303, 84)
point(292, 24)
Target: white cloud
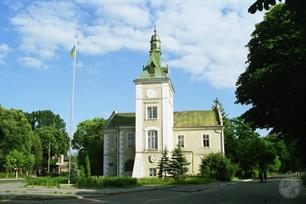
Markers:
point(205, 38)
point(4, 49)
point(45, 26)
point(34, 63)
point(133, 14)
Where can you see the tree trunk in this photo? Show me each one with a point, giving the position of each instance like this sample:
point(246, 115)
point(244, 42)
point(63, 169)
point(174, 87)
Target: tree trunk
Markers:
point(16, 173)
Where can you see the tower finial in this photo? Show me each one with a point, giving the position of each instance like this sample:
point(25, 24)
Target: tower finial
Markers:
point(155, 29)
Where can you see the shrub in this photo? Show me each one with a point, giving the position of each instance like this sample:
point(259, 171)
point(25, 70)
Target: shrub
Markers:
point(108, 181)
point(194, 180)
point(46, 181)
point(217, 166)
point(119, 181)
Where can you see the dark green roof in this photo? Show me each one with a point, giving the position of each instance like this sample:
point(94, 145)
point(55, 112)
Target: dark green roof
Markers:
point(121, 119)
point(196, 118)
point(182, 119)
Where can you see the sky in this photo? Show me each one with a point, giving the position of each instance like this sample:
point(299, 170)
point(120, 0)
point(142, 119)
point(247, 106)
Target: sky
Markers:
point(202, 42)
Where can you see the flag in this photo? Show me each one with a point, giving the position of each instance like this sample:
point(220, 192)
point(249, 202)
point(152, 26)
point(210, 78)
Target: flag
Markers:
point(73, 51)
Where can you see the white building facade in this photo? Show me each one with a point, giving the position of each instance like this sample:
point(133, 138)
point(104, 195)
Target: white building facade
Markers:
point(133, 142)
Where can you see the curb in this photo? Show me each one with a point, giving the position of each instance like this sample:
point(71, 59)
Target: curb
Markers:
point(35, 197)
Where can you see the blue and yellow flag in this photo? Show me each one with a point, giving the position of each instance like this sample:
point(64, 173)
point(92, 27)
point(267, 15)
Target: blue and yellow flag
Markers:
point(73, 51)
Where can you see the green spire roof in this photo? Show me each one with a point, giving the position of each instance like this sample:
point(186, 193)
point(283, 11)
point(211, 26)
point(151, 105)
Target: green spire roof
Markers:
point(153, 68)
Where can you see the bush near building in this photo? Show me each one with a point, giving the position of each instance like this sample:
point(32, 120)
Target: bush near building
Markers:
point(217, 166)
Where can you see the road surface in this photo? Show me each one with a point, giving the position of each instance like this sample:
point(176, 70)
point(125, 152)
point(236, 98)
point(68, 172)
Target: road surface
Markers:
point(244, 192)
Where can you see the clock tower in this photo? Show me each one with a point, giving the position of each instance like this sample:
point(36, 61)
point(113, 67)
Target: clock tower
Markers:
point(154, 113)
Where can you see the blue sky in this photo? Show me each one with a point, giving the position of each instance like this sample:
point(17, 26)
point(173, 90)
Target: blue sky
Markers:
point(203, 43)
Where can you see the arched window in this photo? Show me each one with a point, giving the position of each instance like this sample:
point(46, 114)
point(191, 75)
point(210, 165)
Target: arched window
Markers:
point(152, 139)
point(128, 166)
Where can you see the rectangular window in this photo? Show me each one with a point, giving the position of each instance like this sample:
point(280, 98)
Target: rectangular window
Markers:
point(131, 140)
point(205, 140)
point(152, 112)
point(180, 140)
point(152, 139)
point(152, 172)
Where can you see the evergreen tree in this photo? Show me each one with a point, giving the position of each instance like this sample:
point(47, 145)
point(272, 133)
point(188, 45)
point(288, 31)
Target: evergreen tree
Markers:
point(163, 164)
point(178, 164)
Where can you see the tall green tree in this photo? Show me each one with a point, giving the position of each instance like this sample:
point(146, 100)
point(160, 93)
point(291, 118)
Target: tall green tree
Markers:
point(164, 164)
point(15, 133)
point(274, 82)
point(43, 118)
point(230, 136)
point(178, 165)
point(37, 151)
point(88, 140)
point(53, 143)
point(296, 5)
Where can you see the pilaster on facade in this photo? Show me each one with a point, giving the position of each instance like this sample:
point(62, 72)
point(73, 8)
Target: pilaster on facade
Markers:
point(105, 156)
point(121, 153)
point(138, 165)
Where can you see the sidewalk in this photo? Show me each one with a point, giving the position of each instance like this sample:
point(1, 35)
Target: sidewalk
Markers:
point(18, 191)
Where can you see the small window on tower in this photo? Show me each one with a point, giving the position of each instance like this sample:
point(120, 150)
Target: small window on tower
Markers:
point(152, 112)
point(152, 139)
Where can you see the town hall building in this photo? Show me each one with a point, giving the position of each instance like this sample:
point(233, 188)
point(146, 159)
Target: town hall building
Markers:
point(133, 142)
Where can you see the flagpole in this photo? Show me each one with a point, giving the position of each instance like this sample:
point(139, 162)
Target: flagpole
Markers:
point(71, 110)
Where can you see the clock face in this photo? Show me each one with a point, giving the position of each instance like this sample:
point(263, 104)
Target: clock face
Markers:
point(151, 93)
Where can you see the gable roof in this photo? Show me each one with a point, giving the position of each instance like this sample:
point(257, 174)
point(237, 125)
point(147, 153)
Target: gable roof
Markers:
point(121, 119)
point(200, 118)
point(182, 119)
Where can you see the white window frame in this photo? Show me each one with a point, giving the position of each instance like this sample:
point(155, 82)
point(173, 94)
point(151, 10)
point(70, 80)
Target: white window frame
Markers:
point(148, 113)
point(152, 172)
point(178, 140)
point(205, 137)
point(150, 141)
point(131, 136)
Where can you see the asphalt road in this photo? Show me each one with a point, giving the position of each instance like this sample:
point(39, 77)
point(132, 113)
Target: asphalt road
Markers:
point(247, 192)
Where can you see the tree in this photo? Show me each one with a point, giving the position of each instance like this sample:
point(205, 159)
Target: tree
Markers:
point(43, 118)
point(259, 5)
point(16, 160)
point(163, 164)
point(15, 133)
point(54, 142)
point(87, 167)
point(178, 165)
point(29, 161)
point(230, 137)
point(37, 151)
point(274, 82)
point(217, 166)
point(88, 140)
